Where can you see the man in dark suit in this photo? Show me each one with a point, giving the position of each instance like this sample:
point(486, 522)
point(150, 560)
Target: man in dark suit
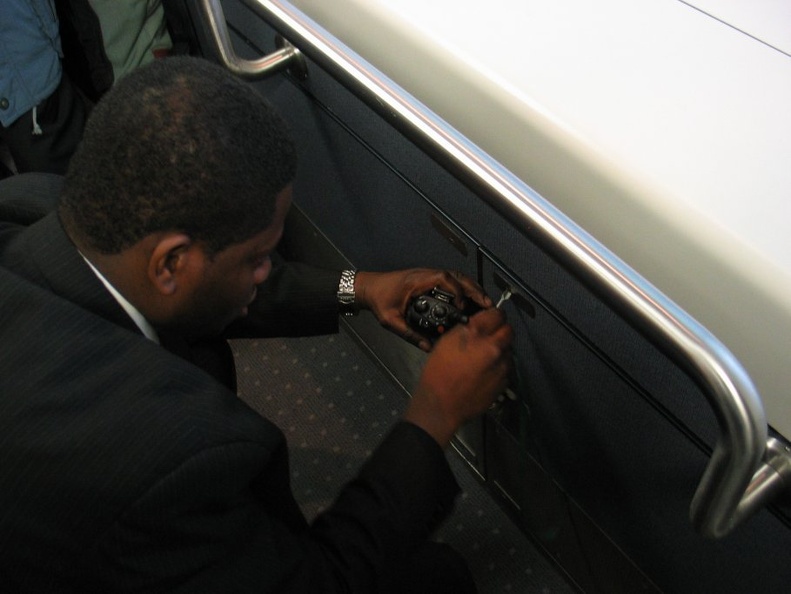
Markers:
point(126, 463)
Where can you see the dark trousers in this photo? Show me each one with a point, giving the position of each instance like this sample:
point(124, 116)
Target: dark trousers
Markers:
point(61, 118)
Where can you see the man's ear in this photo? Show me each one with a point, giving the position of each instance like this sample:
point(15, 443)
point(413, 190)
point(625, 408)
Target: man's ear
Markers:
point(172, 259)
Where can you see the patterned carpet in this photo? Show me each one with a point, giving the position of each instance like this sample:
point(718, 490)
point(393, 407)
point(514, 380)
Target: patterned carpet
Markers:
point(334, 404)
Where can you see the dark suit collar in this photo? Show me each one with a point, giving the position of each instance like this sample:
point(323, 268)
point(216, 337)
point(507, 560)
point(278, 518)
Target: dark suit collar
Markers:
point(62, 270)
point(65, 272)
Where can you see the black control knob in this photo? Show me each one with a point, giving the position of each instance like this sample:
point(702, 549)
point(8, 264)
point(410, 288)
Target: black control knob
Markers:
point(440, 312)
point(421, 306)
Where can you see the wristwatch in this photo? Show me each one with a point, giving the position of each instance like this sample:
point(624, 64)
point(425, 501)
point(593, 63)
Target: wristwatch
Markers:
point(346, 301)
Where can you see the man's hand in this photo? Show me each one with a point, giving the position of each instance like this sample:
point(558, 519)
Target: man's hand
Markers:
point(387, 295)
point(466, 371)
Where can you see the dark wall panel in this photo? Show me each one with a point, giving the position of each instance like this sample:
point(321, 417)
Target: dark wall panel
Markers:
point(611, 437)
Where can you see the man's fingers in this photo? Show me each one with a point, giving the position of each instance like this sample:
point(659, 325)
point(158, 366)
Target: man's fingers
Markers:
point(488, 321)
point(463, 287)
point(474, 291)
point(398, 326)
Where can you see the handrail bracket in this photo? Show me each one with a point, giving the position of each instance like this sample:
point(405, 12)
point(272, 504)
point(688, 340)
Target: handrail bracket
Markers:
point(286, 57)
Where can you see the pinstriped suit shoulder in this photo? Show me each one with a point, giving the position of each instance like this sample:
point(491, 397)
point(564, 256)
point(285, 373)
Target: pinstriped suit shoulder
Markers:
point(125, 468)
point(94, 416)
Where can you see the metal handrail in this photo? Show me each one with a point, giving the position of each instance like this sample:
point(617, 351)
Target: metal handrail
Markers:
point(747, 470)
point(286, 56)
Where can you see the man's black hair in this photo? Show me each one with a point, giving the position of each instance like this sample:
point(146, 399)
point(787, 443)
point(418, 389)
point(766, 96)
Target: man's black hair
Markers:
point(177, 145)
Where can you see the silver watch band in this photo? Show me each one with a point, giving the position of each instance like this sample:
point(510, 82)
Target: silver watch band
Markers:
point(346, 297)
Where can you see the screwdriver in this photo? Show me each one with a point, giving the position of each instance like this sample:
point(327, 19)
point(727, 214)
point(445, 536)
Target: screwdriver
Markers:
point(507, 294)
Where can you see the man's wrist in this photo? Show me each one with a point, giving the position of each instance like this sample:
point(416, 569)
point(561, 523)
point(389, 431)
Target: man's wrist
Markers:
point(426, 411)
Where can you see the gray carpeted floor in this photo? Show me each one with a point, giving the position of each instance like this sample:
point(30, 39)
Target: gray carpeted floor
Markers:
point(334, 404)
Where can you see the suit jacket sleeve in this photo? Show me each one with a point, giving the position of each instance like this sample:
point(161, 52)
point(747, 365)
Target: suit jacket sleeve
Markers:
point(27, 197)
point(211, 525)
point(296, 300)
